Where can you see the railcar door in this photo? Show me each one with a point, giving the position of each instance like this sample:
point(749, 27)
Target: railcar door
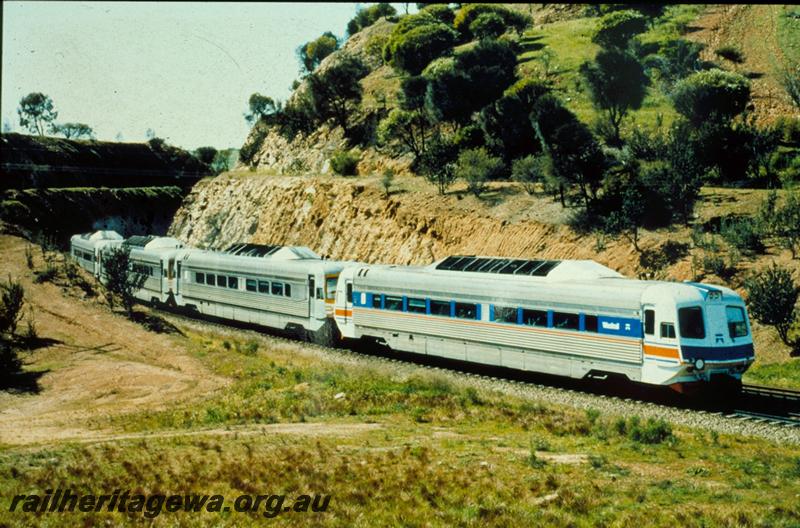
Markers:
point(348, 301)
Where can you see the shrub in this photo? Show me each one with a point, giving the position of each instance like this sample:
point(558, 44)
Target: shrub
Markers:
point(487, 25)
point(530, 171)
point(440, 12)
point(386, 180)
point(712, 94)
point(437, 163)
point(771, 298)
point(476, 167)
point(313, 52)
point(790, 79)
point(9, 360)
point(336, 91)
point(12, 299)
point(743, 233)
point(730, 52)
point(787, 223)
point(469, 12)
point(616, 29)
point(506, 122)
point(402, 28)
point(651, 432)
point(121, 279)
point(368, 16)
point(417, 48)
point(345, 162)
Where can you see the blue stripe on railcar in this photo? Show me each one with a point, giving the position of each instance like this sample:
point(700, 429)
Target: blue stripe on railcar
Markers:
point(707, 353)
point(620, 326)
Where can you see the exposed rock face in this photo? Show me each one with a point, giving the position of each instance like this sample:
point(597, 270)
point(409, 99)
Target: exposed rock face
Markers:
point(352, 219)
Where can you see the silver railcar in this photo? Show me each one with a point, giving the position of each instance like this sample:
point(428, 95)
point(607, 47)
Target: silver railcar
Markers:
point(87, 249)
point(281, 287)
point(570, 318)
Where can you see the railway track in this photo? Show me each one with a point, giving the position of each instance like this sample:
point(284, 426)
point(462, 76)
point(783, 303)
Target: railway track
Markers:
point(755, 405)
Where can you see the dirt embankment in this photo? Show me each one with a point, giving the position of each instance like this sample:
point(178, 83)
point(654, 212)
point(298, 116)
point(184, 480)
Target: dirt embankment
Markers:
point(353, 219)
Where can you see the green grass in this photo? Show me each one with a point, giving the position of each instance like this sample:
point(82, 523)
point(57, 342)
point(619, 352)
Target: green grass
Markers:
point(789, 32)
point(476, 458)
point(782, 375)
point(570, 42)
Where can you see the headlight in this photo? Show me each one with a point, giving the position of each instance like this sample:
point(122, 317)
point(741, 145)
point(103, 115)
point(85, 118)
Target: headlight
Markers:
point(699, 364)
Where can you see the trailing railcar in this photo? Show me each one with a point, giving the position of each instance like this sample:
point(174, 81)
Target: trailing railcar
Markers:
point(87, 248)
point(281, 287)
point(155, 257)
point(570, 318)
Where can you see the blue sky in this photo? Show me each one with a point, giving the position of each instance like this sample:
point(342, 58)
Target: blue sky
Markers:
point(184, 70)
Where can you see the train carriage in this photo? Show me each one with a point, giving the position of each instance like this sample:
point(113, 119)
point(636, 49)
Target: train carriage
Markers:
point(570, 318)
point(155, 257)
point(281, 287)
point(87, 249)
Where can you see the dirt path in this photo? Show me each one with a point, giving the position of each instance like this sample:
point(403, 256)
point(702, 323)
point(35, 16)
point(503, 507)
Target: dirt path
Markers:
point(763, 58)
point(99, 364)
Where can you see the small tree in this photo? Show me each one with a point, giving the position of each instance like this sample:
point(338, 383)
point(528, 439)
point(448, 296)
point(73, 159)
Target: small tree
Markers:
point(617, 28)
point(476, 167)
point(530, 171)
point(617, 84)
point(771, 299)
point(261, 107)
point(12, 299)
point(206, 154)
point(73, 130)
point(630, 215)
point(36, 112)
point(386, 181)
point(711, 95)
point(418, 47)
point(313, 52)
point(336, 91)
point(787, 223)
point(122, 279)
point(790, 79)
point(437, 163)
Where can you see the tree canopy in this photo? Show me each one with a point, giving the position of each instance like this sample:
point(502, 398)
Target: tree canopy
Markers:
point(713, 94)
point(35, 112)
point(74, 130)
point(313, 52)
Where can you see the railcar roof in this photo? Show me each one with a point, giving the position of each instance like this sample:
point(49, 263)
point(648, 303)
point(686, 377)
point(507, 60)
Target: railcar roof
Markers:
point(549, 269)
point(101, 235)
point(273, 252)
point(153, 242)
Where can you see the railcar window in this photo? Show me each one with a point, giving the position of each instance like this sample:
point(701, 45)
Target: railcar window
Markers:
point(668, 330)
point(287, 290)
point(690, 322)
point(534, 317)
point(590, 323)
point(376, 300)
point(649, 322)
point(319, 293)
point(394, 303)
point(505, 314)
point(210, 279)
point(277, 288)
point(330, 287)
point(263, 286)
point(466, 310)
point(440, 308)
point(222, 280)
point(737, 326)
point(250, 285)
point(200, 278)
point(566, 321)
point(349, 290)
point(416, 305)
point(233, 282)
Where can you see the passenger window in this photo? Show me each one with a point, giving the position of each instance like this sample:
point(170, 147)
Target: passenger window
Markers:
point(737, 326)
point(250, 285)
point(287, 290)
point(277, 288)
point(222, 280)
point(668, 330)
point(263, 287)
point(319, 293)
point(505, 314)
point(440, 308)
point(200, 278)
point(349, 290)
point(233, 282)
point(394, 303)
point(649, 322)
point(416, 305)
point(565, 321)
point(690, 322)
point(466, 310)
point(590, 323)
point(210, 279)
point(534, 317)
point(376, 300)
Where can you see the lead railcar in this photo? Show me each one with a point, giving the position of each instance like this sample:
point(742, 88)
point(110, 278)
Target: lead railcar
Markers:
point(572, 318)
